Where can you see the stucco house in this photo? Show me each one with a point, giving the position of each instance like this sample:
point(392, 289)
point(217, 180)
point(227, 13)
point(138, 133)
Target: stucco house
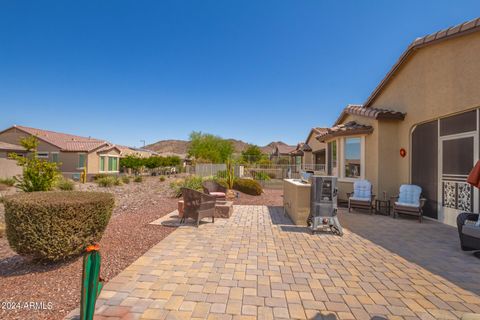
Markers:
point(281, 152)
point(311, 153)
point(420, 125)
point(8, 167)
point(73, 153)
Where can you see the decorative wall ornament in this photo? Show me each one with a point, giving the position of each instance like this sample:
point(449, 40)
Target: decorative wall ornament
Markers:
point(403, 152)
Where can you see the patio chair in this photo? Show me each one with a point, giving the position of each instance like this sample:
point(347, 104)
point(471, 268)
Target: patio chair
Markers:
point(197, 205)
point(362, 197)
point(213, 188)
point(469, 231)
point(409, 201)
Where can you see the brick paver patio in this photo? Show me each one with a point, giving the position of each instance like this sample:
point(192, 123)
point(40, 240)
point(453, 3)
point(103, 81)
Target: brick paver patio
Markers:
point(257, 265)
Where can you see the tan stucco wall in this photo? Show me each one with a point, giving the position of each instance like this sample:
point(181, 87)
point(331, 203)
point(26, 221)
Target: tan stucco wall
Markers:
point(438, 80)
point(93, 165)
point(315, 145)
point(8, 167)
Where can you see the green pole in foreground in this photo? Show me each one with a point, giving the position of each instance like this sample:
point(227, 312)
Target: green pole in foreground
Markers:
point(91, 282)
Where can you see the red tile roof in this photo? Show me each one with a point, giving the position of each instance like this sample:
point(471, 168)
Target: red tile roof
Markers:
point(349, 128)
point(374, 113)
point(455, 31)
point(64, 141)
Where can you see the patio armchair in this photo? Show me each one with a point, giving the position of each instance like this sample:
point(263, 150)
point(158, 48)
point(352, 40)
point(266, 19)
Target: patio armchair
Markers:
point(197, 205)
point(469, 231)
point(362, 196)
point(215, 189)
point(409, 201)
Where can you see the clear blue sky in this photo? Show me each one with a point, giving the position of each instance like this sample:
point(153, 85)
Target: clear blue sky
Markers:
point(254, 70)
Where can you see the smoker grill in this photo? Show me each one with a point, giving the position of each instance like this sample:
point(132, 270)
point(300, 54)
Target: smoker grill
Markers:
point(323, 205)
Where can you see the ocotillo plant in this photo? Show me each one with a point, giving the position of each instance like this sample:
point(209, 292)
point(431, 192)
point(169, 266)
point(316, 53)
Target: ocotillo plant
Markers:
point(230, 174)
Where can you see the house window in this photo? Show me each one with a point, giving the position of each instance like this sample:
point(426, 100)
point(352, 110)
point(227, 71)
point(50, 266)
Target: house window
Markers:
point(42, 155)
point(332, 158)
point(102, 163)
point(81, 161)
point(55, 157)
point(352, 156)
point(112, 164)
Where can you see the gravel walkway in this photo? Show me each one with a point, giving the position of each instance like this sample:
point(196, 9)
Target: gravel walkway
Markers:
point(128, 236)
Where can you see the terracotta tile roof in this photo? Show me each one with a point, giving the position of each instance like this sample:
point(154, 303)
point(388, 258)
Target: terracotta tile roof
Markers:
point(315, 132)
point(64, 141)
point(455, 31)
point(11, 147)
point(374, 113)
point(349, 128)
point(285, 149)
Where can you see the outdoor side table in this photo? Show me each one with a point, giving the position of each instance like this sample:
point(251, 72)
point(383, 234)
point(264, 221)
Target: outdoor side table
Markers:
point(382, 207)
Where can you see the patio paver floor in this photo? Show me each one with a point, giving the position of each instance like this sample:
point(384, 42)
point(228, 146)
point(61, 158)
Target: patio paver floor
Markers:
point(258, 265)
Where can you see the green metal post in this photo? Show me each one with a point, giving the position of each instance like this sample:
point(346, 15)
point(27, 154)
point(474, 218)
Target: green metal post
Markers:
point(91, 282)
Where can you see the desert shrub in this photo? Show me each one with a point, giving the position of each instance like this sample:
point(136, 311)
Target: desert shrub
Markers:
point(54, 226)
point(192, 182)
point(126, 179)
point(162, 178)
point(65, 184)
point(7, 181)
point(248, 186)
point(100, 176)
point(106, 181)
point(138, 179)
point(272, 175)
point(260, 175)
point(221, 181)
point(37, 174)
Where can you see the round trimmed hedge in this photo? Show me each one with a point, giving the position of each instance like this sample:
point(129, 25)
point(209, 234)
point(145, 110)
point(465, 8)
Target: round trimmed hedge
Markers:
point(248, 186)
point(56, 225)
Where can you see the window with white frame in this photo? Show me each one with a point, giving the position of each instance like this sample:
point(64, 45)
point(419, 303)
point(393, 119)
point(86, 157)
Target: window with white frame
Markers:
point(42, 155)
point(352, 157)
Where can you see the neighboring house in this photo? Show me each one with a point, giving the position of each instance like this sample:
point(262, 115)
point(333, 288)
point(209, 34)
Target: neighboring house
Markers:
point(8, 167)
point(420, 125)
point(311, 153)
point(73, 153)
point(281, 152)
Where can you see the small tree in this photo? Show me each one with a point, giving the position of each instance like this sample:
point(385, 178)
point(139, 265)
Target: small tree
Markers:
point(209, 148)
point(38, 174)
point(252, 154)
point(132, 162)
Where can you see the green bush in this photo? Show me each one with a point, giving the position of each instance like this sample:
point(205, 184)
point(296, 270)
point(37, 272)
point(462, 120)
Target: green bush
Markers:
point(260, 175)
point(138, 179)
point(37, 174)
point(106, 181)
point(192, 182)
point(7, 181)
point(100, 176)
point(126, 179)
point(54, 226)
point(248, 186)
point(65, 184)
point(162, 178)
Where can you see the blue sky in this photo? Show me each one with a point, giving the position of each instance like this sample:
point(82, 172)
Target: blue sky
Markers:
point(259, 71)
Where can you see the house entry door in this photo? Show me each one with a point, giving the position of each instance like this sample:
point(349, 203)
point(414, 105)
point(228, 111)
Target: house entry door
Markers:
point(458, 154)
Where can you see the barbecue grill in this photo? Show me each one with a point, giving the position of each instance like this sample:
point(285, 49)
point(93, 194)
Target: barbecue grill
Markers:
point(323, 205)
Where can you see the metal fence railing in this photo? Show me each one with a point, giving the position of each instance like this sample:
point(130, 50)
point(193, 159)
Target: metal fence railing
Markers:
point(261, 172)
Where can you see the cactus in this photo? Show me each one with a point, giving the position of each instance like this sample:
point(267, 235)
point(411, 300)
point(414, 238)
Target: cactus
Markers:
point(83, 177)
point(91, 282)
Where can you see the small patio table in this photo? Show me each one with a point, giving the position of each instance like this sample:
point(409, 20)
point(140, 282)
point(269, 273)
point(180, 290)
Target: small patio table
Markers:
point(382, 207)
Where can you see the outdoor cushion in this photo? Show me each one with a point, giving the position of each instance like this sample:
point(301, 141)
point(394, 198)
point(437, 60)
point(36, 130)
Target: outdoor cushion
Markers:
point(398, 203)
point(360, 199)
point(218, 194)
point(410, 194)
point(471, 230)
point(362, 189)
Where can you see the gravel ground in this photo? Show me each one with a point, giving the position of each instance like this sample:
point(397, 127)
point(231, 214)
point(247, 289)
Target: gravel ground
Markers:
point(127, 237)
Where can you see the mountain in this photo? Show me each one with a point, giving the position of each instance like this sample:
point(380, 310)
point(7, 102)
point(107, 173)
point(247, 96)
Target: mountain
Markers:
point(180, 147)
